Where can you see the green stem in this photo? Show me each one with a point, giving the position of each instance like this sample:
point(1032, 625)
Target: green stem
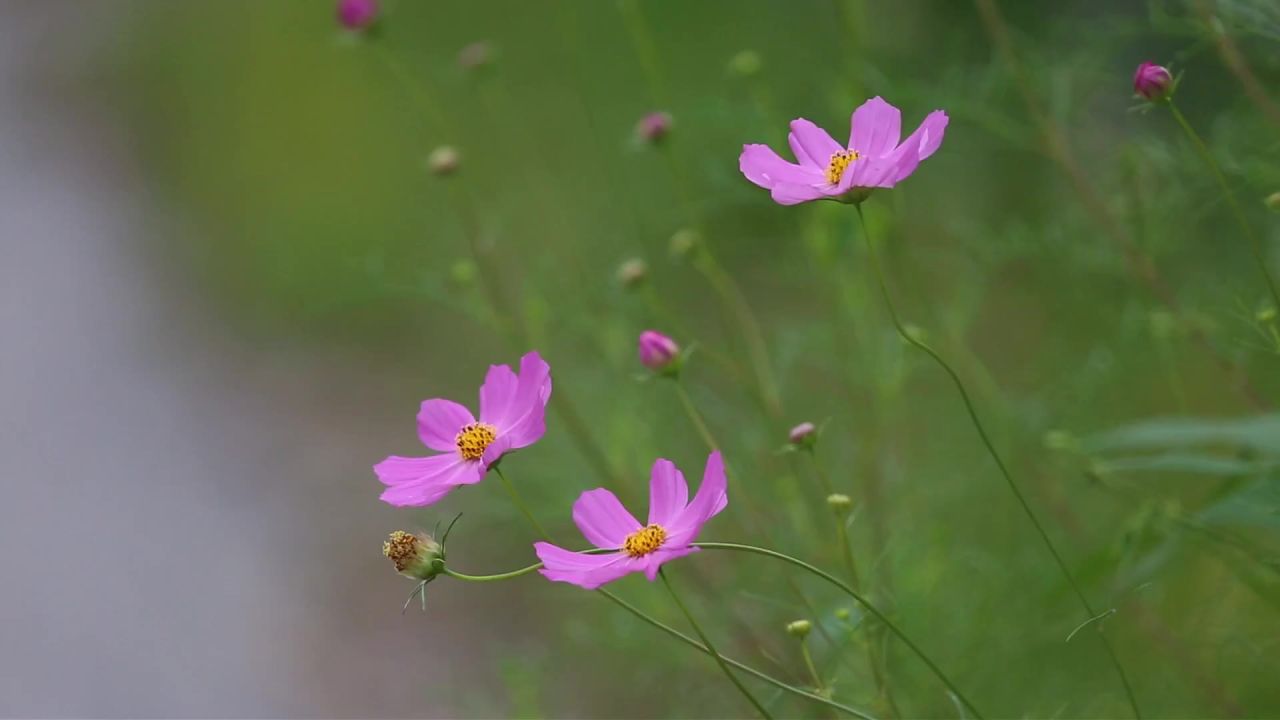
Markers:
point(695, 417)
point(808, 661)
point(711, 648)
point(493, 578)
point(519, 502)
point(1004, 471)
point(1255, 242)
point(857, 597)
point(818, 470)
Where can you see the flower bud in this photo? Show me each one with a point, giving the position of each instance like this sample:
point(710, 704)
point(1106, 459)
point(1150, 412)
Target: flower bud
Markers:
point(658, 352)
point(745, 63)
point(415, 556)
point(840, 503)
point(1266, 315)
point(799, 628)
point(804, 435)
point(475, 56)
point(1060, 440)
point(357, 15)
point(1273, 202)
point(684, 242)
point(1153, 82)
point(444, 160)
point(633, 272)
point(842, 613)
point(463, 272)
point(653, 127)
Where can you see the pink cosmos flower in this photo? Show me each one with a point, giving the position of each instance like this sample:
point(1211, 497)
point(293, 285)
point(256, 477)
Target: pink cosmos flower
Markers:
point(512, 416)
point(673, 524)
point(828, 170)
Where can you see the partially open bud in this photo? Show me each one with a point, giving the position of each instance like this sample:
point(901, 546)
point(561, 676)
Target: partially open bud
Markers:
point(633, 272)
point(799, 628)
point(658, 352)
point(415, 556)
point(684, 242)
point(444, 160)
point(840, 503)
point(745, 63)
point(804, 435)
point(357, 15)
point(475, 56)
point(653, 127)
point(1153, 82)
point(1273, 202)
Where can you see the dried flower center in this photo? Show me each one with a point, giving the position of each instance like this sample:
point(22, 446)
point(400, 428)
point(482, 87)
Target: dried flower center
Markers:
point(472, 440)
point(839, 161)
point(402, 548)
point(644, 541)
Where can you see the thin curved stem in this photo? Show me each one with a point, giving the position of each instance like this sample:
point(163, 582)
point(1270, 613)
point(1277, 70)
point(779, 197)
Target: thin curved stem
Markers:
point(519, 502)
point(1255, 242)
point(492, 578)
point(857, 597)
point(711, 648)
point(808, 661)
point(695, 417)
point(1004, 470)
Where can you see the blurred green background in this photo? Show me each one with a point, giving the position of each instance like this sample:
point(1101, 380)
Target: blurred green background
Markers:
point(1073, 258)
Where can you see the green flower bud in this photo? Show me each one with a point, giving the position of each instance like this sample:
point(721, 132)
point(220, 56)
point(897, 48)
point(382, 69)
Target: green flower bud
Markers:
point(1273, 201)
point(840, 503)
point(684, 242)
point(1266, 315)
point(463, 272)
point(745, 63)
point(842, 613)
point(444, 160)
point(633, 272)
point(799, 628)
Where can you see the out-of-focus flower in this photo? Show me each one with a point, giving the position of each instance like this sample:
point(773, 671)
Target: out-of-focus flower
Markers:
point(840, 503)
point(673, 524)
point(658, 352)
point(512, 416)
point(745, 63)
point(633, 272)
point(653, 127)
point(1273, 201)
point(475, 56)
point(357, 14)
point(828, 170)
point(1153, 82)
point(803, 435)
point(684, 242)
point(444, 160)
point(416, 556)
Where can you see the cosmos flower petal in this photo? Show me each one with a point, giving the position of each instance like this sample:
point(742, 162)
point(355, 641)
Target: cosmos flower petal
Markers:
point(423, 481)
point(921, 144)
point(499, 447)
point(764, 167)
point(498, 395)
point(817, 144)
point(712, 498)
point(439, 421)
point(794, 194)
point(603, 520)
point(802, 156)
point(527, 416)
point(668, 492)
point(875, 128)
point(585, 571)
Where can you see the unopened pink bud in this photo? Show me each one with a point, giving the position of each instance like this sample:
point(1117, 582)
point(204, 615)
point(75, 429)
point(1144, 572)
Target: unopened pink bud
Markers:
point(804, 434)
point(1153, 82)
point(657, 351)
point(357, 14)
point(654, 126)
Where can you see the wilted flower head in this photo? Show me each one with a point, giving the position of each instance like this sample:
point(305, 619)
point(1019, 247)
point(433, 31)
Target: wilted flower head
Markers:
point(417, 556)
point(444, 160)
point(357, 14)
point(673, 524)
point(1153, 82)
point(658, 352)
point(475, 56)
point(632, 272)
point(828, 170)
point(653, 127)
point(512, 416)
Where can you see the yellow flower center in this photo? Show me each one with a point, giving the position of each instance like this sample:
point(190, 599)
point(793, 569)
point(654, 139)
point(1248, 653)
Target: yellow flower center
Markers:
point(644, 541)
point(839, 161)
point(472, 440)
point(402, 548)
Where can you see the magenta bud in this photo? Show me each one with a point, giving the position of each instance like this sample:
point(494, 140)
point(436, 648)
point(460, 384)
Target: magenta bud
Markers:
point(653, 127)
point(804, 434)
point(357, 14)
point(1153, 82)
point(658, 352)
